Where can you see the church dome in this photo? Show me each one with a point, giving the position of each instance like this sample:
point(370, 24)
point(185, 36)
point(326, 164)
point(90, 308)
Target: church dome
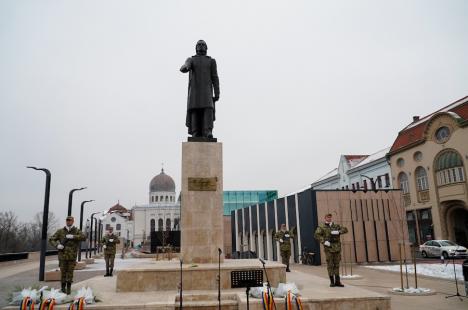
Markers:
point(162, 183)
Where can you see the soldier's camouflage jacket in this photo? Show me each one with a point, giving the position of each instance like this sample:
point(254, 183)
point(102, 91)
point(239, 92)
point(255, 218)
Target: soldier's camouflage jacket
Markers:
point(111, 247)
point(70, 250)
point(285, 236)
point(323, 233)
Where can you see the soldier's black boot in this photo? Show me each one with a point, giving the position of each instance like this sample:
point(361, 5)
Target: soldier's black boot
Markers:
point(110, 272)
point(64, 289)
point(287, 268)
point(332, 281)
point(68, 288)
point(338, 282)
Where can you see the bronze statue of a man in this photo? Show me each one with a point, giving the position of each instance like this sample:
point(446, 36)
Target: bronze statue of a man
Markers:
point(203, 92)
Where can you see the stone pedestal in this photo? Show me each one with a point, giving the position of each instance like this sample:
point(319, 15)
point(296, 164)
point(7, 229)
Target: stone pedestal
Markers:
point(52, 275)
point(202, 202)
point(165, 275)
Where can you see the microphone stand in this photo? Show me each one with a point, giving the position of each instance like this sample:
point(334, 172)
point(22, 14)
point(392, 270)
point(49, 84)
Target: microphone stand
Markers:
point(268, 284)
point(456, 283)
point(219, 278)
point(180, 291)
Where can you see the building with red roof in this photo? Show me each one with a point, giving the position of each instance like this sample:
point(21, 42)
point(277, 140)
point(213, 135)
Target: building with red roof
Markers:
point(428, 161)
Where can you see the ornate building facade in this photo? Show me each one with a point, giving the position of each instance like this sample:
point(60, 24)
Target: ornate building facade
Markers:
point(428, 161)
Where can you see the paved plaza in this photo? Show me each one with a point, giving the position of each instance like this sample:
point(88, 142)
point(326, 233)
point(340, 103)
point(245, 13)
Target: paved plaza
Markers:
point(24, 274)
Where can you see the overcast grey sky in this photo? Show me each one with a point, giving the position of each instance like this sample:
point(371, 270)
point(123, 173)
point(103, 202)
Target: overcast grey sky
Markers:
point(92, 89)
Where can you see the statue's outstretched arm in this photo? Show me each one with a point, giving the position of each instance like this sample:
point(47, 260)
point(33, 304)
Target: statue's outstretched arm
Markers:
point(187, 66)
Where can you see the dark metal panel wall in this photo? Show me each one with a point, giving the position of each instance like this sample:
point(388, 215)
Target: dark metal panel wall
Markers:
point(271, 215)
point(246, 220)
point(254, 218)
point(261, 214)
point(280, 212)
point(292, 211)
point(308, 222)
point(233, 231)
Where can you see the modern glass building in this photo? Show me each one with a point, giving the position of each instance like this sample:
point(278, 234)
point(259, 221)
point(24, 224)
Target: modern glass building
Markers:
point(234, 200)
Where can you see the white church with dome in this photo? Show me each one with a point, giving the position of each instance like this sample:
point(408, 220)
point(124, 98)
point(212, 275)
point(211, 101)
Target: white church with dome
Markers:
point(161, 213)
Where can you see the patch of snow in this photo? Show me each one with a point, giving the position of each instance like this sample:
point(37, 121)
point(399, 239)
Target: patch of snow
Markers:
point(444, 271)
point(412, 290)
point(354, 276)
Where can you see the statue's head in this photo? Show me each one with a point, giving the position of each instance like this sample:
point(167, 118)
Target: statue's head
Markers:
point(201, 47)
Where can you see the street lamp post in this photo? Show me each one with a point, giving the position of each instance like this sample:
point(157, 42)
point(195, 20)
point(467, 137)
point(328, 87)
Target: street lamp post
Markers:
point(100, 234)
point(70, 199)
point(45, 222)
point(91, 234)
point(95, 236)
point(87, 237)
point(81, 225)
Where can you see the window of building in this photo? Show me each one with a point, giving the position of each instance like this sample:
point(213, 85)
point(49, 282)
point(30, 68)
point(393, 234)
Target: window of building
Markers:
point(152, 225)
point(168, 224)
point(107, 226)
point(421, 179)
point(400, 162)
point(113, 219)
point(403, 180)
point(426, 231)
point(387, 180)
point(176, 224)
point(417, 156)
point(118, 227)
point(160, 224)
point(156, 199)
point(449, 168)
point(442, 134)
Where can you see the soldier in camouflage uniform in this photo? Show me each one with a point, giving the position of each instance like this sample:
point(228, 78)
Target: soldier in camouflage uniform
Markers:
point(109, 243)
point(328, 233)
point(283, 236)
point(67, 240)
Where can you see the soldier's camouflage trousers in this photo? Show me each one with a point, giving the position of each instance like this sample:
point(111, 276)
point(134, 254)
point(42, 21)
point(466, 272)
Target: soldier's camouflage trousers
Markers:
point(285, 255)
point(109, 258)
point(333, 263)
point(66, 269)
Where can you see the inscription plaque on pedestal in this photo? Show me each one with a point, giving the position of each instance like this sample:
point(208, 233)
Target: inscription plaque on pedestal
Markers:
point(202, 184)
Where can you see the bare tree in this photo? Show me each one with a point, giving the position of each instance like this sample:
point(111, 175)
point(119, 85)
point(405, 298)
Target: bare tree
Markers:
point(20, 237)
point(8, 230)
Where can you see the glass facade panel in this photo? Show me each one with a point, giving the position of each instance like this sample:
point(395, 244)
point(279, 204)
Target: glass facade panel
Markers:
point(234, 200)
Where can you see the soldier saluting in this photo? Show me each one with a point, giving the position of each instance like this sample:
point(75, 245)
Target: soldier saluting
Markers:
point(283, 236)
point(67, 241)
point(109, 244)
point(328, 233)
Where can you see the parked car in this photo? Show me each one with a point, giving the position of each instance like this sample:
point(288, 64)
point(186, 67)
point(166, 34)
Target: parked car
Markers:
point(445, 248)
